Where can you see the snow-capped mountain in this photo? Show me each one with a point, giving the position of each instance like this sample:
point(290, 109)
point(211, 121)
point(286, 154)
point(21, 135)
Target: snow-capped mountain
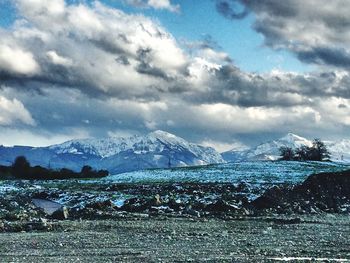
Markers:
point(339, 150)
point(268, 150)
point(157, 149)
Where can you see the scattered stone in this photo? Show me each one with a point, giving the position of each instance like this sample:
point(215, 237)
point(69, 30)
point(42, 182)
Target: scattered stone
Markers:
point(60, 214)
point(323, 193)
point(157, 200)
point(101, 205)
point(49, 207)
point(282, 221)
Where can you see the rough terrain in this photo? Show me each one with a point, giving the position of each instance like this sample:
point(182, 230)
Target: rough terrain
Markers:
point(158, 239)
point(86, 221)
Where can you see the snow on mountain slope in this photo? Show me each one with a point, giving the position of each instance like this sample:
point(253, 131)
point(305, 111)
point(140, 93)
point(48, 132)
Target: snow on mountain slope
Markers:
point(268, 150)
point(99, 147)
point(157, 149)
point(339, 150)
point(157, 141)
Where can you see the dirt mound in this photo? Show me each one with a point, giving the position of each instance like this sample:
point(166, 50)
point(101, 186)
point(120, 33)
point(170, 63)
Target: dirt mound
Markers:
point(324, 192)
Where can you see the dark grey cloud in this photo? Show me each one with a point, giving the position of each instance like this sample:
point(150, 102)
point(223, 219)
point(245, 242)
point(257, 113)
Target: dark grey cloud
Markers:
point(144, 56)
point(326, 56)
point(206, 41)
point(316, 31)
point(231, 9)
point(273, 7)
point(109, 44)
point(117, 72)
point(232, 86)
point(123, 60)
point(146, 68)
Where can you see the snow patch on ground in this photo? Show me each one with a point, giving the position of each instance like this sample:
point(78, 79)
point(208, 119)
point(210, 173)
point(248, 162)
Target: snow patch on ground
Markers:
point(265, 173)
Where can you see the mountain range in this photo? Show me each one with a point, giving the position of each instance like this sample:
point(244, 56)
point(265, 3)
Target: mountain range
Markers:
point(157, 149)
point(339, 150)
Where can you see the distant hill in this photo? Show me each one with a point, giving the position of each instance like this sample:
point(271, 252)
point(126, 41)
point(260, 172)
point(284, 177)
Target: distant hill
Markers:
point(158, 149)
point(340, 150)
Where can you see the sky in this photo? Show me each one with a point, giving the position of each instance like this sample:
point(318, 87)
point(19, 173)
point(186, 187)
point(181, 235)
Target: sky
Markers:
point(222, 73)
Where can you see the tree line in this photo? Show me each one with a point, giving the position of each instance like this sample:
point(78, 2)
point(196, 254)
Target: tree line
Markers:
point(21, 169)
point(316, 152)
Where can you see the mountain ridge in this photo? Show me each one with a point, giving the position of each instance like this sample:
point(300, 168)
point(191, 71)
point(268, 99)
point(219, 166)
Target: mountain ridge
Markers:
point(157, 149)
point(340, 150)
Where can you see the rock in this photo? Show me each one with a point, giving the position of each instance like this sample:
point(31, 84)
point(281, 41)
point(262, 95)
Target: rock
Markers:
point(60, 214)
point(193, 212)
point(136, 205)
point(49, 207)
point(43, 221)
point(245, 212)
point(157, 200)
point(101, 205)
point(221, 206)
point(272, 198)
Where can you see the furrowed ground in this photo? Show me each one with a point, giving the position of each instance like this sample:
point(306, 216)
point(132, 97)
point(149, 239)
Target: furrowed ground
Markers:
point(159, 239)
point(275, 215)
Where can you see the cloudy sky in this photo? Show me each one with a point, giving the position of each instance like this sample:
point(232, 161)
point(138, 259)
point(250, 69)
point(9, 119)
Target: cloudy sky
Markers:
point(224, 73)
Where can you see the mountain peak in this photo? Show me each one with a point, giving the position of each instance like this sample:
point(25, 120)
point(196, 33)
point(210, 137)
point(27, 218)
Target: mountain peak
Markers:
point(167, 137)
point(292, 140)
point(291, 137)
point(268, 150)
point(160, 133)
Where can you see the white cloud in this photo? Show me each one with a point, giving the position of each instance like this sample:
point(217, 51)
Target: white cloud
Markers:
point(84, 20)
point(222, 119)
point(113, 52)
point(17, 61)
point(163, 4)
point(38, 11)
point(223, 146)
point(39, 7)
point(13, 111)
point(156, 4)
point(59, 60)
point(37, 138)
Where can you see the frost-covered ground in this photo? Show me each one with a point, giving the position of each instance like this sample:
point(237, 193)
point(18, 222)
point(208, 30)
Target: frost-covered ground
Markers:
point(174, 190)
point(254, 173)
point(262, 174)
point(203, 213)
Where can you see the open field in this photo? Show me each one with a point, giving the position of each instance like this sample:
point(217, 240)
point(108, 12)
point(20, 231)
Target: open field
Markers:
point(215, 218)
point(145, 239)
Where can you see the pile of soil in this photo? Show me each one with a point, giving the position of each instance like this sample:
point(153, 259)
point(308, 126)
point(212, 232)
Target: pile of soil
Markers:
point(324, 192)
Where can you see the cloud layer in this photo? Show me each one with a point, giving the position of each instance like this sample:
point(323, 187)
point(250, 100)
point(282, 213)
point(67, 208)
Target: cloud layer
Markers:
point(316, 31)
point(72, 70)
